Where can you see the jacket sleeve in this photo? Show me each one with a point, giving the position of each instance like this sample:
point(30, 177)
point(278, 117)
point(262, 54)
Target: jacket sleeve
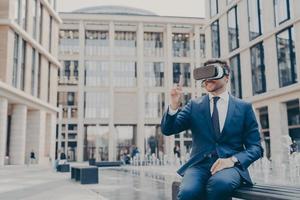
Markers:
point(173, 124)
point(251, 139)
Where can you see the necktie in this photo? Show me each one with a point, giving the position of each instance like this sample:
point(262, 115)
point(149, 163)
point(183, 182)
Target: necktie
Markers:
point(215, 117)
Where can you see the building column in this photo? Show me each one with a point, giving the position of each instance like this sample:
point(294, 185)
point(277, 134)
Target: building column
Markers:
point(36, 133)
point(278, 131)
point(50, 137)
point(17, 141)
point(3, 129)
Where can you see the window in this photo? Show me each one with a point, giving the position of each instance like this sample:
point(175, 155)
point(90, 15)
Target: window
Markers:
point(235, 76)
point(96, 105)
point(69, 41)
point(41, 17)
point(67, 99)
point(69, 73)
point(126, 138)
point(215, 39)
point(264, 123)
point(293, 113)
point(153, 44)
point(154, 104)
point(125, 43)
point(39, 76)
point(125, 74)
point(258, 69)
point(96, 73)
point(23, 65)
point(50, 34)
point(34, 18)
point(202, 45)
point(49, 82)
point(33, 73)
point(24, 13)
point(286, 57)
point(96, 43)
point(154, 141)
point(183, 69)
point(15, 61)
point(181, 44)
point(214, 7)
point(255, 18)
point(17, 14)
point(233, 32)
point(154, 74)
point(282, 11)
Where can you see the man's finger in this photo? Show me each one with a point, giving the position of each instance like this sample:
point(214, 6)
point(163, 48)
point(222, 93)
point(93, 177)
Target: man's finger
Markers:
point(214, 165)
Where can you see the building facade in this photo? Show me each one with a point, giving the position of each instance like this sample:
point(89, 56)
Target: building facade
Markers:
point(261, 41)
point(28, 80)
point(118, 66)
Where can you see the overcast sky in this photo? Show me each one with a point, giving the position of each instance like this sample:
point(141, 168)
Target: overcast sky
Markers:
point(185, 8)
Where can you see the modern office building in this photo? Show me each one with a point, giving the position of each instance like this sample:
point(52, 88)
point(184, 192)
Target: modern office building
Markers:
point(261, 41)
point(118, 66)
point(28, 80)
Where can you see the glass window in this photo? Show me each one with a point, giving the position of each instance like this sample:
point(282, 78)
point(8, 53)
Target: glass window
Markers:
point(126, 139)
point(183, 69)
point(202, 45)
point(214, 7)
point(69, 72)
point(39, 75)
point(125, 74)
point(282, 11)
point(34, 17)
point(96, 73)
point(235, 76)
point(154, 104)
point(96, 105)
point(49, 81)
point(97, 43)
point(181, 44)
point(23, 65)
point(41, 18)
point(215, 39)
point(154, 74)
point(258, 69)
point(125, 43)
point(24, 13)
point(50, 34)
point(17, 13)
point(15, 61)
point(96, 142)
point(33, 73)
point(233, 32)
point(154, 141)
point(264, 123)
point(69, 41)
point(153, 44)
point(286, 57)
point(255, 18)
point(293, 112)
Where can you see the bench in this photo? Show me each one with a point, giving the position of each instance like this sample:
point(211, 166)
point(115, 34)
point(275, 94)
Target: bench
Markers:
point(107, 164)
point(63, 168)
point(85, 174)
point(257, 192)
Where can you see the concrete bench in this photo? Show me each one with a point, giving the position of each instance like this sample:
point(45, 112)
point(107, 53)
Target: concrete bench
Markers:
point(107, 164)
point(85, 174)
point(257, 192)
point(63, 168)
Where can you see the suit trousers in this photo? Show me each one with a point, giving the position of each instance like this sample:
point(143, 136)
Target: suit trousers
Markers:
point(199, 184)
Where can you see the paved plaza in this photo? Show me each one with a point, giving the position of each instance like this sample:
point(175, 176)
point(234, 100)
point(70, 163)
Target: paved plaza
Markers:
point(132, 183)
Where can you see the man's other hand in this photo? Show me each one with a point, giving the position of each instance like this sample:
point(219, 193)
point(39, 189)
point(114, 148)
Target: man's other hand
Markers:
point(221, 163)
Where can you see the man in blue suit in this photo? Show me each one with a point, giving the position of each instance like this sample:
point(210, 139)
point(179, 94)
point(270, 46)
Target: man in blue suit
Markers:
point(226, 139)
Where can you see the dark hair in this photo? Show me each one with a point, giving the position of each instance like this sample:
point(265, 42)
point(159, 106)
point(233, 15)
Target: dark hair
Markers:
point(219, 61)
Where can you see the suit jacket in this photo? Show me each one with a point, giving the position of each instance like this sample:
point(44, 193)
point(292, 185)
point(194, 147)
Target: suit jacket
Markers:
point(240, 136)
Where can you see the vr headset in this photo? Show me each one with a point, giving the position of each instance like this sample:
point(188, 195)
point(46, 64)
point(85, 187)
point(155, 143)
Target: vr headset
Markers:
point(213, 71)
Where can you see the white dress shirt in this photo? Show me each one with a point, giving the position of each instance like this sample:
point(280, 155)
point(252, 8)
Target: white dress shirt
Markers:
point(222, 106)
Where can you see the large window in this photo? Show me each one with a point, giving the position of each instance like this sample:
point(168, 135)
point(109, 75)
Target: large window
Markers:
point(126, 139)
point(255, 18)
point(293, 112)
point(181, 44)
point(264, 123)
point(183, 69)
point(233, 32)
point(41, 18)
point(50, 34)
point(96, 104)
point(23, 65)
point(96, 73)
point(153, 44)
point(69, 41)
point(215, 39)
point(15, 61)
point(125, 74)
point(96, 43)
point(282, 11)
point(202, 45)
point(286, 57)
point(154, 141)
point(24, 13)
point(68, 74)
point(154, 74)
point(17, 11)
point(235, 76)
point(125, 43)
point(67, 98)
point(33, 73)
point(154, 104)
point(214, 7)
point(258, 69)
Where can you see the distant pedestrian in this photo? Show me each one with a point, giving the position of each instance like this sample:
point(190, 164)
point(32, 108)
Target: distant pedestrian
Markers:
point(32, 158)
point(294, 147)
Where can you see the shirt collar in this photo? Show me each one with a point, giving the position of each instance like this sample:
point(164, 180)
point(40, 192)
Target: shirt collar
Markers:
point(224, 96)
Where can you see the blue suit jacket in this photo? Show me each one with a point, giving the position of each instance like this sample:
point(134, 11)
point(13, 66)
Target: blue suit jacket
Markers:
point(240, 136)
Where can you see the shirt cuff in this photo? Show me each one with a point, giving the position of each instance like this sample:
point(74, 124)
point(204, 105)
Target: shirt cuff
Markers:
point(172, 111)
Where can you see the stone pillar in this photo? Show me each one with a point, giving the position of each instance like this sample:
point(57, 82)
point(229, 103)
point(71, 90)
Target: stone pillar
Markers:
point(36, 132)
point(18, 135)
point(52, 135)
point(3, 129)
